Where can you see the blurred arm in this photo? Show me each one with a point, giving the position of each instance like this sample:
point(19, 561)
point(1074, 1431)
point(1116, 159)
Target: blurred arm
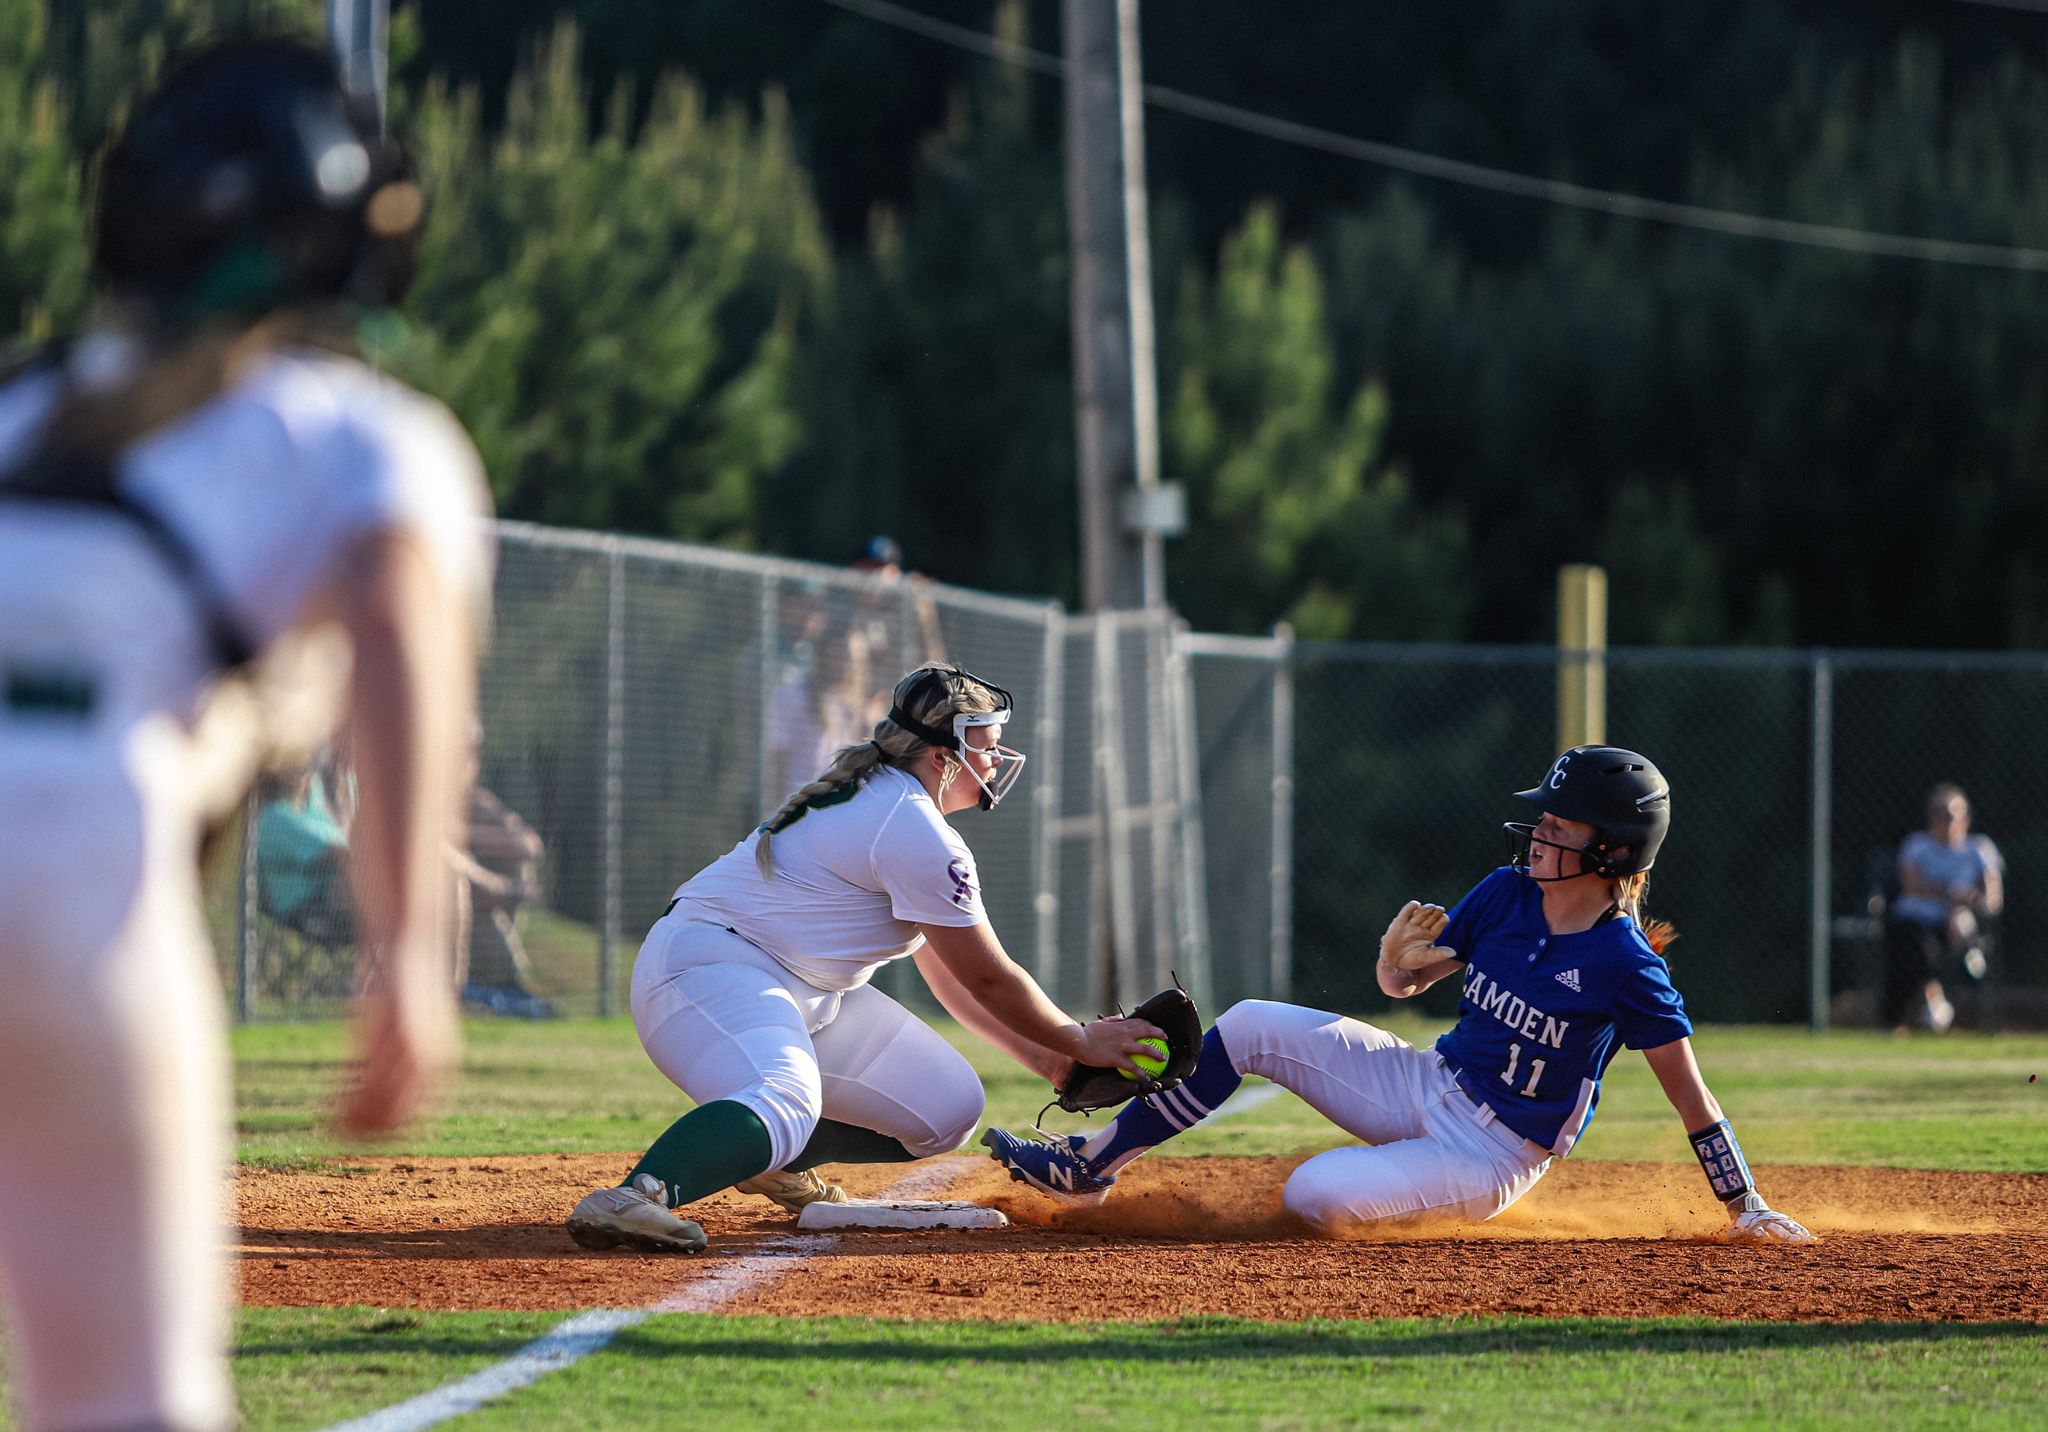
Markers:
point(1914, 881)
point(1992, 888)
point(411, 704)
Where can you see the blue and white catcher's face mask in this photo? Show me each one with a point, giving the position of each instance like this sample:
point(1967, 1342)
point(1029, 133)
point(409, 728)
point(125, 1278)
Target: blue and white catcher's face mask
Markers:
point(1009, 764)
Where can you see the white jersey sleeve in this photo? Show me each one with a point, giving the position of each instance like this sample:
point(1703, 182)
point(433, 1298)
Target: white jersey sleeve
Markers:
point(926, 868)
point(273, 481)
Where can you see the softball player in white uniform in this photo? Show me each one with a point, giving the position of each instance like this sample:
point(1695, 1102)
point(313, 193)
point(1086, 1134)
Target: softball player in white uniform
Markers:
point(752, 992)
point(1558, 975)
point(179, 494)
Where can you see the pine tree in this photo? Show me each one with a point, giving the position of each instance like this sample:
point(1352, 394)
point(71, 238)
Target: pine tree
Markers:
point(613, 315)
point(1294, 512)
point(42, 249)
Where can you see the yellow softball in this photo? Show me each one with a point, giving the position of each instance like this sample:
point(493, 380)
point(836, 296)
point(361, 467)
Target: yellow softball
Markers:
point(1152, 1066)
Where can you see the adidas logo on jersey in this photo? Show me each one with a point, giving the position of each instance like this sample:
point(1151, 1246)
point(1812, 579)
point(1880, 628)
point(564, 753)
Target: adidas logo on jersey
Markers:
point(1570, 980)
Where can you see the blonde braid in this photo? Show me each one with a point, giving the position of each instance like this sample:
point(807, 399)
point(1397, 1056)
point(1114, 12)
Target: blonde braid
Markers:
point(891, 746)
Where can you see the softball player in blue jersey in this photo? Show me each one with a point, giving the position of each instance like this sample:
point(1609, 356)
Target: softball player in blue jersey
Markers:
point(1558, 973)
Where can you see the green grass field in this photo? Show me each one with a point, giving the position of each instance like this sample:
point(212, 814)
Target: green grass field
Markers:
point(302, 1368)
point(1846, 1098)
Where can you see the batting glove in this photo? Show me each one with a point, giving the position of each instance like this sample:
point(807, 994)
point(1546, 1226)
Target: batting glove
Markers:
point(1751, 1221)
point(1409, 943)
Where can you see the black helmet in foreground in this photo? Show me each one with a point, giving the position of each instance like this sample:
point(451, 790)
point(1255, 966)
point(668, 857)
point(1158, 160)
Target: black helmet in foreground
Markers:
point(250, 181)
point(1619, 793)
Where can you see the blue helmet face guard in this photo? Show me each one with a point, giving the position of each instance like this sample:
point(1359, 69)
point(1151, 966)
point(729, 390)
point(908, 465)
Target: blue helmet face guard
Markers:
point(1598, 858)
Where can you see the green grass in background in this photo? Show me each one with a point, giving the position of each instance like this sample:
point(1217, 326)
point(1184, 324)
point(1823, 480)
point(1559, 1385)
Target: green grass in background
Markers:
point(1849, 1097)
point(307, 1368)
point(552, 1086)
point(1846, 1097)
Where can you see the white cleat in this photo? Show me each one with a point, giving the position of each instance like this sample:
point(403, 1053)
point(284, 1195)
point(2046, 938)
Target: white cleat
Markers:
point(792, 1192)
point(638, 1215)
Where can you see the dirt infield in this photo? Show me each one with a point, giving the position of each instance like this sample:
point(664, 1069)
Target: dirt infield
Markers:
point(1180, 1236)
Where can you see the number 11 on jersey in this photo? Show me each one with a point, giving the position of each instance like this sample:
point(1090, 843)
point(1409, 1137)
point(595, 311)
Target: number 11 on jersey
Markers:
point(1507, 1075)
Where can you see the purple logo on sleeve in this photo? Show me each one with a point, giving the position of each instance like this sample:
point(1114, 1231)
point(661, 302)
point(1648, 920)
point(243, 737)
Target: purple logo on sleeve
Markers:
point(963, 883)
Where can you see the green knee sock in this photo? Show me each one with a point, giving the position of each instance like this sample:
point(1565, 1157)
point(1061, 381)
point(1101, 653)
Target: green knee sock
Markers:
point(714, 1146)
point(835, 1142)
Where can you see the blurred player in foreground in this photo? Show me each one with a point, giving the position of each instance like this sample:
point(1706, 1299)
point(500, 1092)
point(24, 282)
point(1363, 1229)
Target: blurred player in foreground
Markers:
point(190, 493)
point(1556, 966)
point(751, 992)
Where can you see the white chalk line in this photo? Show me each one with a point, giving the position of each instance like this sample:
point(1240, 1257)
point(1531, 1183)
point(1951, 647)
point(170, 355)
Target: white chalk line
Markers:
point(569, 1343)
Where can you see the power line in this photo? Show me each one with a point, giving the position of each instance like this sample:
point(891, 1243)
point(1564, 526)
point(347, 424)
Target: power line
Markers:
point(1480, 176)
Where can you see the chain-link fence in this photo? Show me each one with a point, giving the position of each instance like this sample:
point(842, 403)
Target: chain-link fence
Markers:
point(1794, 775)
point(645, 703)
point(1243, 813)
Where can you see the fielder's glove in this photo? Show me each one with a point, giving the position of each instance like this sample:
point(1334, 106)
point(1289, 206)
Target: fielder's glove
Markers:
point(1173, 1012)
point(1751, 1220)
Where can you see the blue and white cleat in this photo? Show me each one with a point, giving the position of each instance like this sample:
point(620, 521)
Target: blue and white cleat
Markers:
point(1052, 1166)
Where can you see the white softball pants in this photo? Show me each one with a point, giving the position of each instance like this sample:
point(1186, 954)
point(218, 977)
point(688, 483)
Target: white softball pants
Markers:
point(724, 1020)
point(113, 1104)
point(1435, 1153)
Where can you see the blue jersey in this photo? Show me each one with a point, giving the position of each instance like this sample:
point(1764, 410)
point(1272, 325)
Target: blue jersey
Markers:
point(1540, 1013)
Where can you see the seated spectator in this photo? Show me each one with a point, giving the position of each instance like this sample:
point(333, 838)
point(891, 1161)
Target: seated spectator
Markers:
point(501, 871)
point(302, 862)
point(1950, 882)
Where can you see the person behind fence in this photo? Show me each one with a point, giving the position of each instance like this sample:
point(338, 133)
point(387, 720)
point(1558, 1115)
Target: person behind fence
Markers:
point(821, 703)
point(197, 489)
point(752, 992)
point(1558, 970)
point(1951, 883)
point(302, 860)
point(501, 873)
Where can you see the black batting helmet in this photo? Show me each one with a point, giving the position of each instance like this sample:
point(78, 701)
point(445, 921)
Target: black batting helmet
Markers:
point(250, 181)
point(1619, 793)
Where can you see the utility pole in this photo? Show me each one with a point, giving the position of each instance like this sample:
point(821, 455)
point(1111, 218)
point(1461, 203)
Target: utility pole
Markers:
point(1126, 511)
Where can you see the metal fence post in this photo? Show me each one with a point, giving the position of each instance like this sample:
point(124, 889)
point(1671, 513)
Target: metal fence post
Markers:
point(1194, 867)
point(1045, 797)
point(1162, 788)
point(1823, 829)
point(771, 672)
point(1581, 656)
point(1281, 959)
point(245, 916)
point(1118, 976)
point(614, 780)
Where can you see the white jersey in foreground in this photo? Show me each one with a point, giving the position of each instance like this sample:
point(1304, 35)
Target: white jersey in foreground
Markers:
point(112, 1051)
point(853, 881)
point(269, 485)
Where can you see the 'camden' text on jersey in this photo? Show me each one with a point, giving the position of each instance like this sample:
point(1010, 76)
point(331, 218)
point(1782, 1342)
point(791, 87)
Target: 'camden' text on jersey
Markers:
point(1514, 1011)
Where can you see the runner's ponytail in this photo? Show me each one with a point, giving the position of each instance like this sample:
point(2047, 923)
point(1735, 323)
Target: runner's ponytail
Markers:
point(1630, 893)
